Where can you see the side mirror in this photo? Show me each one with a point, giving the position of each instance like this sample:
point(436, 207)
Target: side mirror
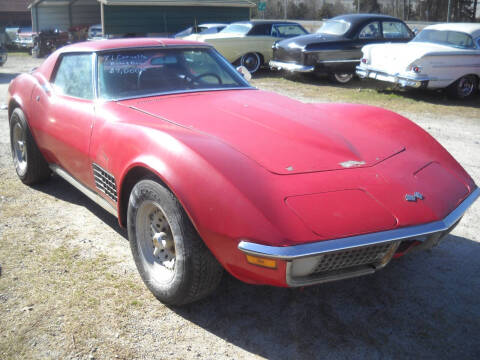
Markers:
point(244, 72)
point(415, 31)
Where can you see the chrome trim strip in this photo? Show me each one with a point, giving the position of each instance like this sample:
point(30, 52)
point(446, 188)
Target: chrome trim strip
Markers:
point(338, 61)
point(86, 191)
point(290, 66)
point(312, 249)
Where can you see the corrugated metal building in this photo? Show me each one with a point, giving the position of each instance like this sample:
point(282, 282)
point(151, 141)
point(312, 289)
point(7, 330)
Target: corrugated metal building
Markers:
point(14, 12)
point(139, 17)
point(167, 16)
point(64, 14)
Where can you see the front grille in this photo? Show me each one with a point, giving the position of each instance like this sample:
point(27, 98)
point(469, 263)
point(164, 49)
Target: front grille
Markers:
point(105, 182)
point(354, 257)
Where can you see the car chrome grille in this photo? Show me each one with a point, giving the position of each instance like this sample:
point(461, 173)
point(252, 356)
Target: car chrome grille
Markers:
point(105, 182)
point(354, 257)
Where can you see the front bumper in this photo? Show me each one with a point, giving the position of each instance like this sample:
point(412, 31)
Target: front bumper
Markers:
point(404, 81)
point(353, 256)
point(293, 67)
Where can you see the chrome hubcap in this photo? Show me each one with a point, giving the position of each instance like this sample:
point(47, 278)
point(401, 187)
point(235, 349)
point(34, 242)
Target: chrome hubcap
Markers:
point(343, 78)
point(466, 86)
point(251, 62)
point(155, 242)
point(19, 149)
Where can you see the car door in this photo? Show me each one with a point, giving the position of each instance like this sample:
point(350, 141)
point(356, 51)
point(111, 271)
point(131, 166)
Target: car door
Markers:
point(66, 112)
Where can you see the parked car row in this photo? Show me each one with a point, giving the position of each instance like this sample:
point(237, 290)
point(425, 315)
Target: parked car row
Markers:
point(371, 46)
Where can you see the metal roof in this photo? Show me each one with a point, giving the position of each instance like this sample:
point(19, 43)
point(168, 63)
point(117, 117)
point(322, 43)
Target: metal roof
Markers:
point(14, 6)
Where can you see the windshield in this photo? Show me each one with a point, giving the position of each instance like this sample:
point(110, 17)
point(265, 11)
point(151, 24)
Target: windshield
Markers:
point(136, 73)
point(334, 27)
point(237, 29)
point(444, 37)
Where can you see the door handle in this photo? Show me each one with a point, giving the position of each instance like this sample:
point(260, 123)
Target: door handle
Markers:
point(37, 98)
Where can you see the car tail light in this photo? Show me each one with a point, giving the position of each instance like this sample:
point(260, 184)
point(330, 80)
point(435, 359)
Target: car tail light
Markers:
point(415, 68)
point(364, 61)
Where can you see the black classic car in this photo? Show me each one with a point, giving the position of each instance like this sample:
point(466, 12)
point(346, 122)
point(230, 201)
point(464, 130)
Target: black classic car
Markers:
point(336, 48)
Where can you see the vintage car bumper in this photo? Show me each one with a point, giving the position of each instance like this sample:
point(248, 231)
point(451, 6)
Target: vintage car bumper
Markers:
point(353, 256)
point(279, 65)
point(402, 80)
point(24, 43)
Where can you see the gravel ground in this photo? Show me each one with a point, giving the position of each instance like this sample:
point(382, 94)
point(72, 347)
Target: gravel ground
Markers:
point(69, 288)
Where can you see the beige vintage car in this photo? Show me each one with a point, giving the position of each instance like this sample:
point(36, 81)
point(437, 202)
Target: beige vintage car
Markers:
point(249, 43)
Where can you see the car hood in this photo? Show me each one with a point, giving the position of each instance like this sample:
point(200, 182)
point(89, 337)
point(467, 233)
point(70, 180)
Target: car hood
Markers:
point(282, 135)
point(303, 41)
point(399, 56)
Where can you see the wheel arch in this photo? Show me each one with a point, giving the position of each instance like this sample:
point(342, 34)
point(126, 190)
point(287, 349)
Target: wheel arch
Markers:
point(132, 176)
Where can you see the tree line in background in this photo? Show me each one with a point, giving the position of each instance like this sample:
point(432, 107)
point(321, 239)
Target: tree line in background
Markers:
point(421, 10)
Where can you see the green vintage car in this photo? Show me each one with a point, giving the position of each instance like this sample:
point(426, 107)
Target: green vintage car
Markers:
point(249, 43)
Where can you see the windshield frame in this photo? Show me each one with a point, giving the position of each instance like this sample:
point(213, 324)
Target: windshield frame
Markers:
point(235, 74)
point(474, 47)
point(342, 21)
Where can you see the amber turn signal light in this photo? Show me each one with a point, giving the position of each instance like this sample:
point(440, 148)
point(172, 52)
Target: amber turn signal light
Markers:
point(268, 263)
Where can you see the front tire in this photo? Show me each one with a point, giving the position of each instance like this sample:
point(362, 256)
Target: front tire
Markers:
point(341, 78)
point(172, 260)
point(252, 61)
point(29, 163)
point(464, 88)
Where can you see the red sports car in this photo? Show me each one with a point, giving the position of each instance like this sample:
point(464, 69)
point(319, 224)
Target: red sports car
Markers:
point(209, 173)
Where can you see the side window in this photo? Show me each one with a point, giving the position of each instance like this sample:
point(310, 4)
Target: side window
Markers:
point(74, 76)
point(478, 43)
point(371, 31)
point(395, 30)
point(260, 30)
point(287, 30)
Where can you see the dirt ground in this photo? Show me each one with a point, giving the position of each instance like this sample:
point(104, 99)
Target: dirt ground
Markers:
point(69, 288)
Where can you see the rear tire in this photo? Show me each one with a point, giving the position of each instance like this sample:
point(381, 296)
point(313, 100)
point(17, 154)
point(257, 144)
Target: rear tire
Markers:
point(252, 61)
point(464, 88)
point(172, 260)
point(29, 162)
point(341, 78)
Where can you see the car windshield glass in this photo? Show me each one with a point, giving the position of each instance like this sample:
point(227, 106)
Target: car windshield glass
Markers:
point(136, 73)
point(334, 27)
point(237, 29)
point(451, 38)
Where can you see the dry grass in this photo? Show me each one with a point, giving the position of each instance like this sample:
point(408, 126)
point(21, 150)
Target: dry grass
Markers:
point(309, 88)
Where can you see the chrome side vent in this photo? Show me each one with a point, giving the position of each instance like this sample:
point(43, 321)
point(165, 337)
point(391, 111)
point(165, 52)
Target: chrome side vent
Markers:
point(105, 182)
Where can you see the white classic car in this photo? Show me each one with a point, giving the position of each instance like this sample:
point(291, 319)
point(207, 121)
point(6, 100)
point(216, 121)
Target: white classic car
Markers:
point(440, 56)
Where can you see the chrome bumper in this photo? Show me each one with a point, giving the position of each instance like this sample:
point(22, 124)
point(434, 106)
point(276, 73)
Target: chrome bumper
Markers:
point(314, 252)
point(394, 79)
point(279, 65)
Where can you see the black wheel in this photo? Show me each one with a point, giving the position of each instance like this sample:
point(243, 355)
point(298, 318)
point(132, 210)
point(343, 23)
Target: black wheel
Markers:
point(251, 61)
point(464, 87)
point(341, 78)
point(171, 258)
point(29, 163)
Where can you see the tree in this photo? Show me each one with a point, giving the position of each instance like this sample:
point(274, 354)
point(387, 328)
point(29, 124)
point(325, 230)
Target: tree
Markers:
point(330, 10)
point(367, 6)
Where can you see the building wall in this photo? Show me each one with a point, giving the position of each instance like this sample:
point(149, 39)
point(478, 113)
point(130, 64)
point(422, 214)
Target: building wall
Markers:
point(166, 19)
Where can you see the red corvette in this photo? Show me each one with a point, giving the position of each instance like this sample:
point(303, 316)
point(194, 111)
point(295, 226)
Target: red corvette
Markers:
point(209, 173)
